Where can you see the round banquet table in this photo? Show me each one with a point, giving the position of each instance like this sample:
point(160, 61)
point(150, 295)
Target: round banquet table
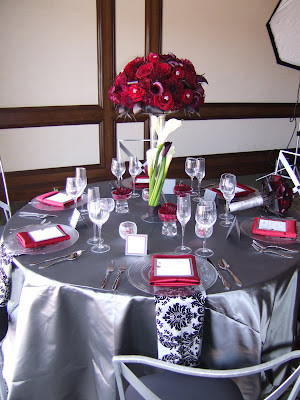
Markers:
point(67, 329)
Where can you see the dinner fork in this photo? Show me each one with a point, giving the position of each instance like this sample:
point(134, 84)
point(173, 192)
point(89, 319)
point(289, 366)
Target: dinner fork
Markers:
point(121, 269)
point(278, 253)
point(109, 269)
point(273, 246)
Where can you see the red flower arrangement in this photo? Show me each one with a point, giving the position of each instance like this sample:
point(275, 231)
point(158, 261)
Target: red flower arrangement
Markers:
point(121, 193)
point(158, 83)
point(167, 212)
point(182, 188)
point(281, 194)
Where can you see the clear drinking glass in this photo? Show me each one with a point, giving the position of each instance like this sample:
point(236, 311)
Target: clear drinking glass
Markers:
point(200, 174)
point(205, 216)
point(227, 187)
point(93, 194)
point(80, 175)
point(107, 203)
point(134, 168)
point(99, 216)
point(190, 170)
point(118, 168)
point(127, 228)
point(72, 189)
point(183, 215)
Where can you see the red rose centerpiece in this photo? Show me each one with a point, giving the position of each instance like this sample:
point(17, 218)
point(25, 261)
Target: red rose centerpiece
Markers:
point(168, 214)
point(121, 195)
point(182, 188)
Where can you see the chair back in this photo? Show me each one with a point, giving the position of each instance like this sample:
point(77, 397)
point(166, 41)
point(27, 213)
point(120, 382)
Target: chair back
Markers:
point(291, 383)
point(5, 205)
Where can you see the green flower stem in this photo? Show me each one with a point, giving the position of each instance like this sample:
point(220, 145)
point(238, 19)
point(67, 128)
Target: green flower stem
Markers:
point(154, 199)
point(153, 175)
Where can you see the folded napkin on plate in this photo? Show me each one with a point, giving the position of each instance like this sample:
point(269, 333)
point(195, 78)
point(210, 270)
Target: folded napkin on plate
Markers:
point(142, 181)
point(55, 199)
point(173, 270)
point(43, 237)
point(179, 323)
point(241, 190)
point(273, 227)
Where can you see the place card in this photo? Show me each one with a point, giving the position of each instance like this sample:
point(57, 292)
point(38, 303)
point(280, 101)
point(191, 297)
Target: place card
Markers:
point(173, 267)
point(136, 245)
point(60, 198)
point(74, 218)
point(235, 224)
point(46, 234)
point(168, 186)
point(275, 227)
point(209, 195)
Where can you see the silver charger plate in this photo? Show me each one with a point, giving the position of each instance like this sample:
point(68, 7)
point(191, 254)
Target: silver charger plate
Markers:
point(247, 225)
point(139, 271)
point(14, 246)
point(45, 207)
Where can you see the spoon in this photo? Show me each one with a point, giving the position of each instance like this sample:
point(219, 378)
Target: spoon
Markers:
point(70, 257)
point(224, 265)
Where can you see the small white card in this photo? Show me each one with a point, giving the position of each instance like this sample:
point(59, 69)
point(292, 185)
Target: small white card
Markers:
point(60, 198)
point(168, 186)
point(142, 180)
point(75, 217)
point(173, 267)
point(136, 245)
point(272, 225)
point(45, 234)
point(209, 195)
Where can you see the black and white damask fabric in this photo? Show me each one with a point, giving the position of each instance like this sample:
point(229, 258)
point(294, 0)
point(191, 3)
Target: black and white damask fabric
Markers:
point(179, 322)
point(5, 275)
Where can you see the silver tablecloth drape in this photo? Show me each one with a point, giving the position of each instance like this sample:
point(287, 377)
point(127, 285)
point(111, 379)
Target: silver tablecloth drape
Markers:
point(68, 330)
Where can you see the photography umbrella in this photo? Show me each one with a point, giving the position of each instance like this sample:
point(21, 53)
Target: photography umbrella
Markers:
point(284, 31)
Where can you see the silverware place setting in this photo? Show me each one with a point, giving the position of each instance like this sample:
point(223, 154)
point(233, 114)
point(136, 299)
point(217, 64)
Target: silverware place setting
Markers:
point(68, 257)
point(223, 264)
point(25, 214)
point(273, 246)
point(121, 269)
point(271, 251)
point(224, 281)
point(110, 268)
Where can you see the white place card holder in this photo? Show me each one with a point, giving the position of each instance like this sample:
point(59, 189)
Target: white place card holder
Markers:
point(235, 225)
point(173, 267)
point(45, 234)
point(209, 195)
point(168, 186)
point(272, 225)
point(74, 218)
point(136, 245)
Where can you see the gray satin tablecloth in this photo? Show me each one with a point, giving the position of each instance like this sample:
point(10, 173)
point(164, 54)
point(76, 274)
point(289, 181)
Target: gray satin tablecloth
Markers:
point(68, 329)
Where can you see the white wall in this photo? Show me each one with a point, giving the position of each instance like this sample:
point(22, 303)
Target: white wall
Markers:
point(42, 43)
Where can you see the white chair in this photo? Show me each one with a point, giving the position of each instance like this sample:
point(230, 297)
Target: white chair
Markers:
point(177, 382)
point(5, 205)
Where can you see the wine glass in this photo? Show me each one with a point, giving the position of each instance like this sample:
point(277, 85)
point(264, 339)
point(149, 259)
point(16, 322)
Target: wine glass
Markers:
point(134, 168)
point(80, 175)
point(107, 203)
point(72, 189)
point(190, 166)
point(183, 215)
point(227, 187)
point(99, 216)
point(93, 194)
point(118, 169)
point(200, 174)
point(205, 216)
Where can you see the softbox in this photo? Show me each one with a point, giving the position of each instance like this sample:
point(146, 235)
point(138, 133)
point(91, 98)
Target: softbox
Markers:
point(284, 31)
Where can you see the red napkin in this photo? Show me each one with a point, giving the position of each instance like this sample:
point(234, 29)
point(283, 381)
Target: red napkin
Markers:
point(291, 228)
point(28, 242)
point(247, 190)
point(168, 280)
point(43, 198)
point(142, 185)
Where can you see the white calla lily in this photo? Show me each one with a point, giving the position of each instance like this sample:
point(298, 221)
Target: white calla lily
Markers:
point(150, 156)
point(170, 126)
point(169, 157)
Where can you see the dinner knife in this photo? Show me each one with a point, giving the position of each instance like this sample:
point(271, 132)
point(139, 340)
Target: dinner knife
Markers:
point(225, 283)
point(54, 258)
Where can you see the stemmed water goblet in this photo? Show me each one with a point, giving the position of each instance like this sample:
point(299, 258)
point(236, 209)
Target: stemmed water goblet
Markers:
point(73, 189)
point(205, 216)
point(80, 175)
point(93, 194)
point(227, 187)
point(190, 166)
point(118, 169)
point(99, 216)
point(183, 215)
point(200, 174)
point(134, 168)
